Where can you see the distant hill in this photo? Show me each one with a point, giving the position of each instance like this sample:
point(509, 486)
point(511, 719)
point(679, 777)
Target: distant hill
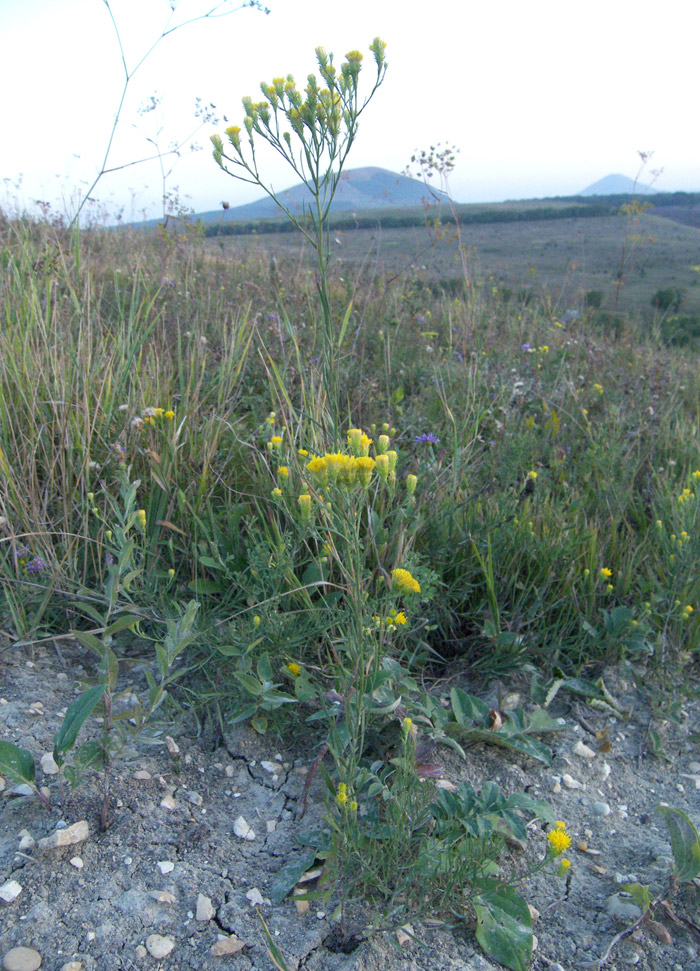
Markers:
point(358, 190)
point(614, 185)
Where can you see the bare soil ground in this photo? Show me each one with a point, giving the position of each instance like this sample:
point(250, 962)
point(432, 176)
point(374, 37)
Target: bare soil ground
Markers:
point(172, 844)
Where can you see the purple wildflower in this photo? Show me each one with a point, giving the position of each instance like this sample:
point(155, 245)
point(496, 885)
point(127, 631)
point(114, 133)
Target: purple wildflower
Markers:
point(35, 565)
point(527, 348)
point(427, 437)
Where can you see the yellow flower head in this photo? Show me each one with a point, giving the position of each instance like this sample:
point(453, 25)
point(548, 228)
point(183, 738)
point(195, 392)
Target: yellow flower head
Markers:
point(283, 472)
point(532, 475)
point(404, 582)
point(605, 573)
point(170, 415)
point(383, 467)
point(276, 442)
point(382, 444)
point(411, 483)
point(365, 466)
point(564, 866)
point(599, 389)
point(342, 796)
point(559, 841)
point(294, 669)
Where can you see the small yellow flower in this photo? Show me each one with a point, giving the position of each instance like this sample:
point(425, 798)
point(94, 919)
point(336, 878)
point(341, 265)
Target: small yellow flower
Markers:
point(304, 502)
point(256, 621)
point(564, 866)
point(169, 415)
point(294, 669)
point(276, 442)
point(171, 572)
point(532, 475)
point(609, 588)
point(559, 841)
point(159, 412)
point(599, 389)
point(142, 518)
point(411, 483)
point(277, 493)
point(404, 582)
point(365, 466)
point(399, 619)
point(342, 796)
point(407, 725)
point(605, 573)
point(303, 452)
point(382, 444)
point(353, 806)
point(283, 472)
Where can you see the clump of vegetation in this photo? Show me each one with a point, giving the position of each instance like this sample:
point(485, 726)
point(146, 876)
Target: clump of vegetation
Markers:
point(352, 484)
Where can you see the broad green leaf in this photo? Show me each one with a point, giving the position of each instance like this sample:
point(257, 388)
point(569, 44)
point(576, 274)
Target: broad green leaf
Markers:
point(74, 719)
point(685, 843)
point(16, 762)
point(287, 878)
point(89, 640)
point(201, 586)
point(468, 709)
point(518, 743)
point(504, 926)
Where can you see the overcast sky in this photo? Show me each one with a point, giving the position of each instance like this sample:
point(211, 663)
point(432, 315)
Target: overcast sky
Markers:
point(541, 98)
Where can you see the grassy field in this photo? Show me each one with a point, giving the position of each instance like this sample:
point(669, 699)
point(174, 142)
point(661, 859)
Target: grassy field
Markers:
point(498, 490)
point(560, 259)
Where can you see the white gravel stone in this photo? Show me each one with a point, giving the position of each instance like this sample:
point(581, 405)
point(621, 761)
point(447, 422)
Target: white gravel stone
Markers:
point(255, 897)
point(243, 830)
point(22, 959)
point(271, 825)
point(142, 775)
point(26, 840)
point(583, 751)
point(205, 908)
point(165, 866)
point(169, 803)
point(570, 782)
point(195, 798)
point(10, 890)
point(601, 808)
point(48, 764)
point(72, 966)
point(159, 946)
point(77, 833)
point(77, 862)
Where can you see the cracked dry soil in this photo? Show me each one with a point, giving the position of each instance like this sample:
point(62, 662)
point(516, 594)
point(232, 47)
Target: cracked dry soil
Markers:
point(99, 903)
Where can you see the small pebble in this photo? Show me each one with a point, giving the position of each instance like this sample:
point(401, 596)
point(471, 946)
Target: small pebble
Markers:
point(570, 782)
point(194, 798)
point(173, 747)
point(27, 841)
point(583, 751)
point(77, 862)
point(229, 771)
point(205, 908)
point(22, 959)
point(601, 808)
point(159, 946)
point(243, 830)
point(168, 802)
point(140, 952)
point(66, 835)
point(143, 775)
point(10, 891)
point(271, 825)
point(165, 866)
point(255, 897)
point(48, 764)
point(694, 767)
point(227, 945)
point(72, 966)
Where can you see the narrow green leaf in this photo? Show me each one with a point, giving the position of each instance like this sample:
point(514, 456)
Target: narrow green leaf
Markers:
point(287, 878)
point(74, 718)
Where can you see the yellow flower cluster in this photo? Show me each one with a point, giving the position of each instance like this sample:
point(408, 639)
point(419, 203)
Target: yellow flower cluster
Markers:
point(336, 468)
point(404, 582)
point(559, 839)
point(392, 621)
point(686, 495)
